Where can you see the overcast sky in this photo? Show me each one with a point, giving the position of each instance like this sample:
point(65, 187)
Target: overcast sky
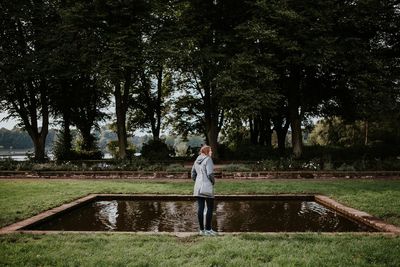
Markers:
point(6, 124)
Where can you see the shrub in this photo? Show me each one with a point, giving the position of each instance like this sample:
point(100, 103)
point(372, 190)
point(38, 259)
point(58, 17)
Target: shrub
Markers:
point(251, 152)
point(346, 167)
point(154, 167)
point(156, 150)
point(113, 148)
point(237, 168)
point(88, 155)
point(176, 168)
point(266, 165)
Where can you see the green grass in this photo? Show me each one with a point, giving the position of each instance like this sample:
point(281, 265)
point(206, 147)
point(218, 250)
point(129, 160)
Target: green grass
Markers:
point(243, 250)
point(23, 198)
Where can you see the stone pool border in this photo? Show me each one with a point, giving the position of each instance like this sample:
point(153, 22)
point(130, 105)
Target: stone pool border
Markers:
point(374, 222)
point(235, 175)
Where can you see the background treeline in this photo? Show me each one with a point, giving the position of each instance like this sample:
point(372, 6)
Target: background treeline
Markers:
point(238, 73)
point(18, 139)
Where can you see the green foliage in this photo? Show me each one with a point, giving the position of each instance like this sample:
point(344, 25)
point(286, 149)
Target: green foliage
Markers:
point(176, 168)
point(10, 164)
point(113, 148)
point(156, 150)
point(89, 155)
point(247, 152)
point(212, 62)
point(334, 131)
point(63, 146)
point(236, 168)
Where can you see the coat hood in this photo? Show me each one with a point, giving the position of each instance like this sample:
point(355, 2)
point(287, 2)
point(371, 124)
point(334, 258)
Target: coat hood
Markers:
point(201, 158)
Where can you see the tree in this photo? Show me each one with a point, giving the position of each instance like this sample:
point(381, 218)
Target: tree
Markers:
point(207, 43)
point(25, 78)
point(290, 33)
point(252, 96)
point(112, 32)
point(324, 53)
point(155, 71)
point(366, 69)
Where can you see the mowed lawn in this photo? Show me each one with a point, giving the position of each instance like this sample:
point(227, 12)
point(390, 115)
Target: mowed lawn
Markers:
point(21, 199)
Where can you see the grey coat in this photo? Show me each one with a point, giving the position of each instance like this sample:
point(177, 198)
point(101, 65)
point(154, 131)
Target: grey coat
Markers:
point(203, 175)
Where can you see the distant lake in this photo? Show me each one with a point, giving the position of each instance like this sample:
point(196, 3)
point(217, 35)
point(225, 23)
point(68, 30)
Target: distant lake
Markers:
point(15, 154)
point(20, 154)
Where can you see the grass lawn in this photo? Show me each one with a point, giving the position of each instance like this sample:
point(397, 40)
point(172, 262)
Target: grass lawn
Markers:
point(23, 198)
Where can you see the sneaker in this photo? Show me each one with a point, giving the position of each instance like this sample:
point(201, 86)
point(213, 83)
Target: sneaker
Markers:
point(211, 232)
point(202, 232)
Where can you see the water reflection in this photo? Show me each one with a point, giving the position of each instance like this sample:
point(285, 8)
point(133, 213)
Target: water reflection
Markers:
point(180, 216)
point(107, 213)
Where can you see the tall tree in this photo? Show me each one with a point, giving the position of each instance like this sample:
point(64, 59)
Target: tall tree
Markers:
point(208, 28)
point(365, 69)
point(291, 32)
point(114, 31)
point(155, 70)
point(25, 78)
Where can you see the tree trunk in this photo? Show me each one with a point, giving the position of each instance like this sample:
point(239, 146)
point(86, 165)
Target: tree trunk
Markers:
point(366, 132)
point(212, 136)
point(63, 147)
point(211, 119)
point(67, 134)
point(267, 132)
point(262, 131)
point(281, 131)
point(45, 121)
point(152, 108)
point(120, 111)
point(255, 129)
point(295, 124)
point(39, 146)
point(294, 115)
point(157, 128)
point(281, 135)
point(39, 138)
point(252, 132)
point(27, 111)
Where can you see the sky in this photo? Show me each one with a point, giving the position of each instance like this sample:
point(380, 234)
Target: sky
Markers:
point(6, 124)
point(9, 124)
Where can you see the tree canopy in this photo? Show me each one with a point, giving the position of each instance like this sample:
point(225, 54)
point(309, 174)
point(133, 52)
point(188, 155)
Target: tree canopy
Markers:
point(231, 70)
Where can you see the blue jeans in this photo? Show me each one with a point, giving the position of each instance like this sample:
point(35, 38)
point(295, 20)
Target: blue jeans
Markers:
point(201, 201)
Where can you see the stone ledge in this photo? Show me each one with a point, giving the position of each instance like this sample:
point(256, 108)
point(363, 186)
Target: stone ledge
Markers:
point(351, 213)
point(358, 215)
point(46, 214)
point(186, 175)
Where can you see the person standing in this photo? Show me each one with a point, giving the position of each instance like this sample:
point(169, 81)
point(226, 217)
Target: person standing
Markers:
point(203, 175)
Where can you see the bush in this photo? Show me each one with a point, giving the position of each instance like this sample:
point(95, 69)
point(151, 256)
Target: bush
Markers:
point(154, 167)
point(88, 155)
point(176, 168)
point(353, 153)
point(157, 150)
point(266, 165)
point(237, 168)
point(250, 152)
point(112, 147)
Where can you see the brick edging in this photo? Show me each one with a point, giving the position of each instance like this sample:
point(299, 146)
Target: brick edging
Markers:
point(46, 214)
point(357, 215)
point(186, 175)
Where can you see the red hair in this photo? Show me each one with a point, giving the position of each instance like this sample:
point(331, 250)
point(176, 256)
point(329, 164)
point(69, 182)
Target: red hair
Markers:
point(205, 149)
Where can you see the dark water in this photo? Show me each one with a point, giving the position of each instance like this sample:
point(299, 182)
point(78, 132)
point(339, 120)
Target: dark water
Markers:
point(180, 216)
